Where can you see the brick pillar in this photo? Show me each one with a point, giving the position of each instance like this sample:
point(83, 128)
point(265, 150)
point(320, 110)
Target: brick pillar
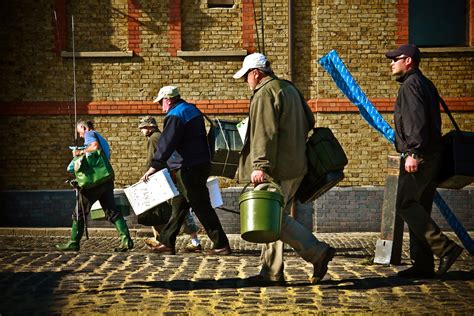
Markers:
point(248, 26)
point(134, 26)
point(174, 27)
point(402, 22)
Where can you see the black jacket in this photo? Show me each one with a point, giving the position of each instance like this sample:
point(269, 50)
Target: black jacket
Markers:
point(417, 115)
point(184, 131)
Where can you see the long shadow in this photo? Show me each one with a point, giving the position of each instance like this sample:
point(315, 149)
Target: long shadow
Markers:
point(208, 284)
point(391, 281)
point(238, 283)
point(349, 284)
point(188, 285)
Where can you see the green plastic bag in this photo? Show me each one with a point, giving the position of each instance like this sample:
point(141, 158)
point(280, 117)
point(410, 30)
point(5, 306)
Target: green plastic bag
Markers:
point(92, 169)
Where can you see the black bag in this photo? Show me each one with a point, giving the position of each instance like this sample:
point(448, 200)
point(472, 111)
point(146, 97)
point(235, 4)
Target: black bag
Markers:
point(225, 145)
point(326, 162)
point(457, 169)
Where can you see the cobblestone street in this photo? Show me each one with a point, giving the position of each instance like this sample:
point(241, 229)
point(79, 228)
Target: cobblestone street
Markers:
point(37, 279)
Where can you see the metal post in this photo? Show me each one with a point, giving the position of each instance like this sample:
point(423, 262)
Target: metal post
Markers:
point(388, 249)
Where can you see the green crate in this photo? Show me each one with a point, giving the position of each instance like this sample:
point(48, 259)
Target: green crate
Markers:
point(121, 202)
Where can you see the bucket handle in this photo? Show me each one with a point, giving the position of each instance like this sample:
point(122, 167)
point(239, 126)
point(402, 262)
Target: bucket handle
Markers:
point(264, 185)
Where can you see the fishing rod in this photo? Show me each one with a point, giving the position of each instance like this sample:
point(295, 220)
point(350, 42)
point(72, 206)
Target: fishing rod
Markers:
point(60, 47)
point(74, 78)
point(75, 120)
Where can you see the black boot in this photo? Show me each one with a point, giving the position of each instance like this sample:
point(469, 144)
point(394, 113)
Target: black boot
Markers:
point(76, 234)
point(126, 242)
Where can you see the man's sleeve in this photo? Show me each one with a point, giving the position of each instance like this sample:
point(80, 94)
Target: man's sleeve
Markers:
point(90, 137)
point(168, 142)
point(264, 134)
point(415, 126)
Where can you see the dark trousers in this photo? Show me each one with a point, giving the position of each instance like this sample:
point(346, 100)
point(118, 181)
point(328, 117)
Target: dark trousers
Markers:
point(104, 193)
point(414, 203)
point(191, 182)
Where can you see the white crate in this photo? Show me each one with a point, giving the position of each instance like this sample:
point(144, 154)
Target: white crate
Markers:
point(144, 196)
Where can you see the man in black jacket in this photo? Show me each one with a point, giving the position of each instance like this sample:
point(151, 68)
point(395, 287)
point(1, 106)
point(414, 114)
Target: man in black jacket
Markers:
point(418, 139)
point(159, 216)
point(184, 132)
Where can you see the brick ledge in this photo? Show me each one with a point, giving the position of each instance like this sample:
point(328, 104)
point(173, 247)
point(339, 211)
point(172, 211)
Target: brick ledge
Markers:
point(217, 107)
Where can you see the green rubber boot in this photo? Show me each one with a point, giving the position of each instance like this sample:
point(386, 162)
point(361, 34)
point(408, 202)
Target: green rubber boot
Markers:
point(76, 234)
point(126, 242)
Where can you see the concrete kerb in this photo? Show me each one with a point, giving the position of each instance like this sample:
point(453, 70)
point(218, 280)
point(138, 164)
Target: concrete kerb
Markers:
point(66, 231)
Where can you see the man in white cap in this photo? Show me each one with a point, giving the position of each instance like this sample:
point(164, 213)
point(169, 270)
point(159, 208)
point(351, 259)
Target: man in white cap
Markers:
point(184, 131)
point(275, 146)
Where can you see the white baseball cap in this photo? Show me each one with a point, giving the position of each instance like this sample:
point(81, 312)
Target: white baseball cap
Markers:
point(167, 92)
point(252, 61)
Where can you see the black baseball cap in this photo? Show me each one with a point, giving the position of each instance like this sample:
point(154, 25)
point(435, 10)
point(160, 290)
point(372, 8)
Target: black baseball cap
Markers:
point(408, 50)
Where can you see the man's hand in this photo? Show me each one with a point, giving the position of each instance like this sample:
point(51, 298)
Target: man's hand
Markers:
point(147, 174)
point(257, 177)
point(76, 152)
point(411, 164)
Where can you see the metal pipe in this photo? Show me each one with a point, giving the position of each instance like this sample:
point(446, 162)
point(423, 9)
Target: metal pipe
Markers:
point(290, 40)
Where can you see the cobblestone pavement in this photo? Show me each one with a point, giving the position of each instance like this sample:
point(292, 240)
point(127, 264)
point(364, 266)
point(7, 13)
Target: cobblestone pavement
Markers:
point(37, 279)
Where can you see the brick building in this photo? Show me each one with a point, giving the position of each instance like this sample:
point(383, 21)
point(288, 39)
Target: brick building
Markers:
point(125, 50)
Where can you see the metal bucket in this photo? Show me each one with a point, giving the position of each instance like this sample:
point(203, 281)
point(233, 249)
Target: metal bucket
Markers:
point(261, 213)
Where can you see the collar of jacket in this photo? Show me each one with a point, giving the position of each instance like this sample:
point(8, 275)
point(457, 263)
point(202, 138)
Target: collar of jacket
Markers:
point(175, 105)
point(407, 74)
point(263, 82)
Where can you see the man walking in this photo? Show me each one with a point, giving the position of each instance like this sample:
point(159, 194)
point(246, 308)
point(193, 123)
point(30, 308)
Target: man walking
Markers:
point(184, 132)
point(159, 216)
point(103, 192)
point(275, 146)
point(418, 139)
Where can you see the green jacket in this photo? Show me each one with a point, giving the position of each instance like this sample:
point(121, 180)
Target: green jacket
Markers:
point(278, 128)
point(152, 144)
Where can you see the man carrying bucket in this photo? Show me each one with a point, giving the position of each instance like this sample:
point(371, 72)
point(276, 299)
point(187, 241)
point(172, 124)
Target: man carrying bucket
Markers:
point(274, 146)
point(184, 132)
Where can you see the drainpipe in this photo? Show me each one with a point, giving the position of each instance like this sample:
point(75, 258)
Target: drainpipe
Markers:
point(290, 40)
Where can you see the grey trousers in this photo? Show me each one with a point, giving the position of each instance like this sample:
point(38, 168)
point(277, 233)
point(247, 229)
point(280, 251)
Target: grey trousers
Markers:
point(292, 233)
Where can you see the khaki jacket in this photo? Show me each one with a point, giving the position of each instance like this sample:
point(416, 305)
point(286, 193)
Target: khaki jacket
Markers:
point(278, 128)
point(152, 144)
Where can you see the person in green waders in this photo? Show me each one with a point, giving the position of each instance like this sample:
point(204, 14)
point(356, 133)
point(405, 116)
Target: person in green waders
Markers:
point(103, 192)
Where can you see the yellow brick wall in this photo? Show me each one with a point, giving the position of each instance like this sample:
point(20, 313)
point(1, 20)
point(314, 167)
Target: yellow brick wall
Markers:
point(34, 148)
point(210, 28)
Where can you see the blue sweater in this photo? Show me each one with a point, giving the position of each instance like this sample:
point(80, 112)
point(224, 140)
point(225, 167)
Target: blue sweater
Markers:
point(184, 131)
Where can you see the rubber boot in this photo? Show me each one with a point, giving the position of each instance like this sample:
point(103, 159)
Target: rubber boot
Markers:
point(126, 242)
point(76, 234)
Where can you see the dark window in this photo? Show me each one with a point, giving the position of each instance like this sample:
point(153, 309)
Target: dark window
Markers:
point(437, 23)
point(227, 4)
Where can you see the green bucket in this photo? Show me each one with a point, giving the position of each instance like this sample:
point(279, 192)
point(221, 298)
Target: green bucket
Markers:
point(261, 213)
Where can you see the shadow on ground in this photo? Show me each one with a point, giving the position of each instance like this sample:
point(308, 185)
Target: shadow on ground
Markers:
point(28, 293)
